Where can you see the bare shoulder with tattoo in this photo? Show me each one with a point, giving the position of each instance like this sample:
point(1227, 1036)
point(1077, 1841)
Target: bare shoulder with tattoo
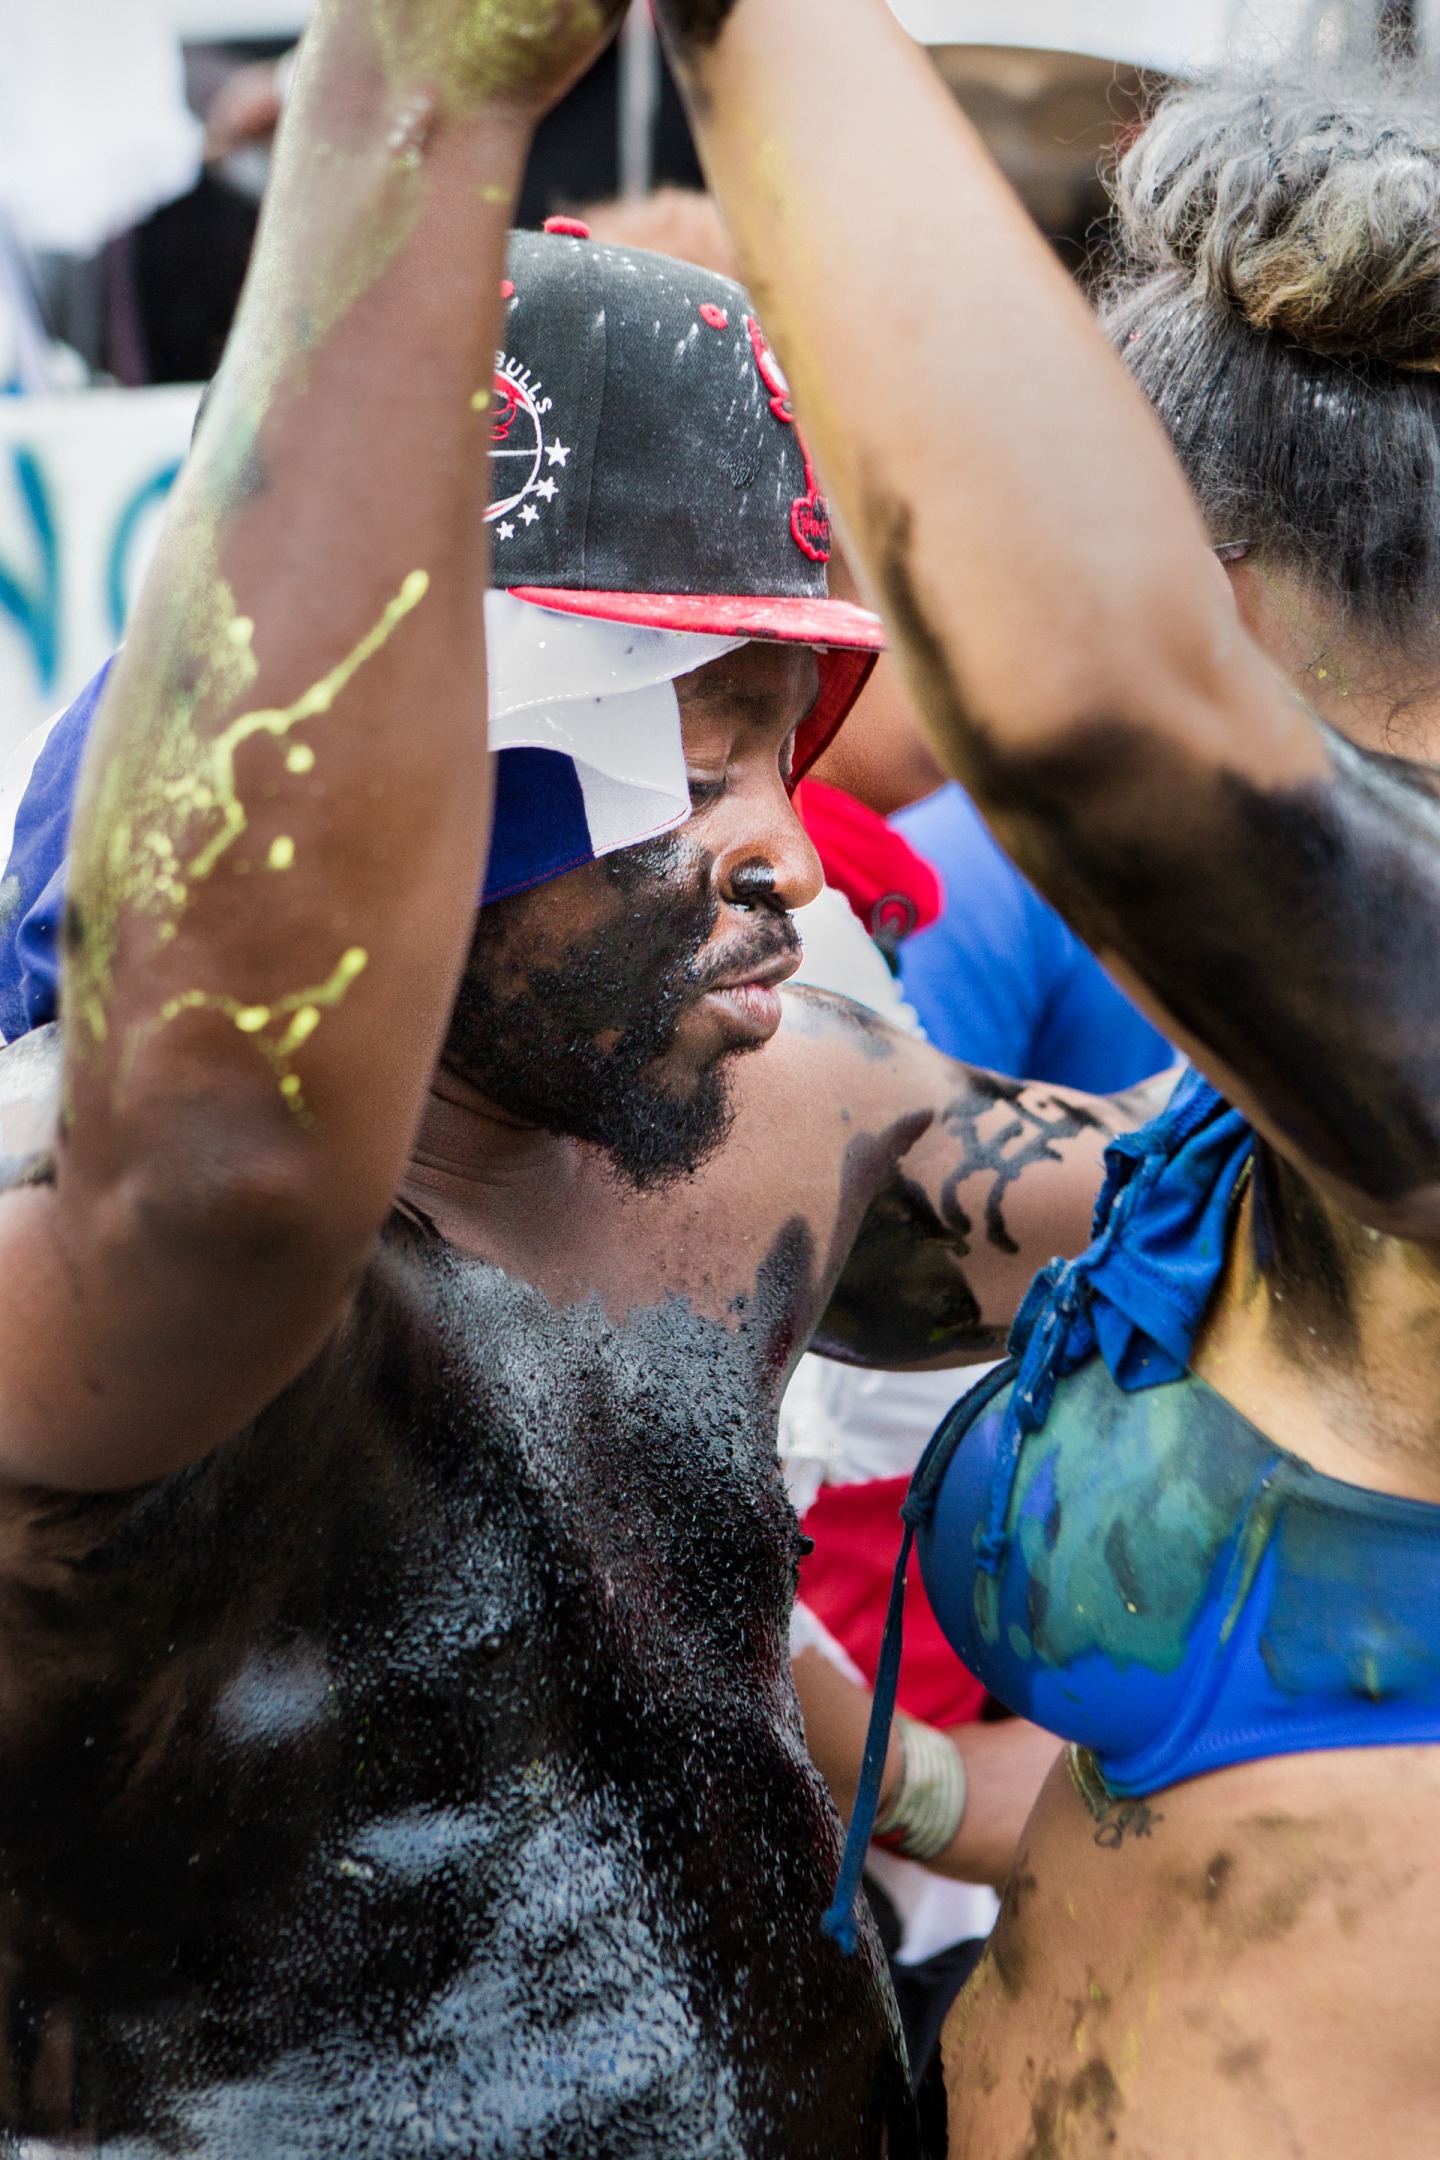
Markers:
point(972, 1182)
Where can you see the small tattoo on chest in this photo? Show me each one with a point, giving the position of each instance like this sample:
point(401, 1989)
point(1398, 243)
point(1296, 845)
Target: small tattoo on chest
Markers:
point(1115, 1820)
point(1127, 1818)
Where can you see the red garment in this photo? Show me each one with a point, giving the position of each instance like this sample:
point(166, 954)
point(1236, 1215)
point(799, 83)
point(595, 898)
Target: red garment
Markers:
point(846, 1583)
point(891, 888)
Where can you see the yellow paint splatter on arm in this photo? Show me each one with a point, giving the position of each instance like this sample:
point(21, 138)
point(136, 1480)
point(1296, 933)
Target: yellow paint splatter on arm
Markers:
point(167, 789)
point(214, 787)
point(302, 1009)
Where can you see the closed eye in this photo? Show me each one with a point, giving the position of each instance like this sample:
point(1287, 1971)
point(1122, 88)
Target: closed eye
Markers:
point(703, 792)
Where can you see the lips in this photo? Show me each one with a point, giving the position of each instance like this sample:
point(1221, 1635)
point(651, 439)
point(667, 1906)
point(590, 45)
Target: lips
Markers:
point(749, 995)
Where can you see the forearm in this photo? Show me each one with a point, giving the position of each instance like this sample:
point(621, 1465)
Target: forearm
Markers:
point(1005, 1765)
point(1011, 500)
point(281, 832)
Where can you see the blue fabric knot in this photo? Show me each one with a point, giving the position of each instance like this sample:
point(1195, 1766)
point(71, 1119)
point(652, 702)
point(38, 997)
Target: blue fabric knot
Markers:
point(1138, 1293)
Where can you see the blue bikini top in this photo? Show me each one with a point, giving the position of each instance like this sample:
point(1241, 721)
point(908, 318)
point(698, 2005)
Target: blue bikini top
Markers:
point(1121, 1556)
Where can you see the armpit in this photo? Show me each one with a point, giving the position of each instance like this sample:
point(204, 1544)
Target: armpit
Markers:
point(902, 1297)
point(1292, 933)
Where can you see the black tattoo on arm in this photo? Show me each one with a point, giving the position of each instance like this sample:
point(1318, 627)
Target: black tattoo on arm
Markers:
point(904, 1296)
point(1293, 932)
point(1003, 1127)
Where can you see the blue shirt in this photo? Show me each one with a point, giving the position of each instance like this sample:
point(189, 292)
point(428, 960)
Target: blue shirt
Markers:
point(1001, 981)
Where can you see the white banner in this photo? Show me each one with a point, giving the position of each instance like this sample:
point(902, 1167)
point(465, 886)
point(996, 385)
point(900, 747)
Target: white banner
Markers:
point(1175, 37)
point(202, 19)
point(83, 482)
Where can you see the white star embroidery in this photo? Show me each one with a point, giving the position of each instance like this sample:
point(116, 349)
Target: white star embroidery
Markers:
point(529, 514)
point(545, 488)
point(557, 452)
point(505, 531)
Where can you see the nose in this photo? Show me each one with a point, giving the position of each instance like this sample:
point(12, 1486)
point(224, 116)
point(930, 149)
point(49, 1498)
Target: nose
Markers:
point(769, 861)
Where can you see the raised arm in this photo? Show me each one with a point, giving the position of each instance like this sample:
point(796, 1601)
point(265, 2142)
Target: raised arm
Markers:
point(968, 1181)
point(1270, 894)
point(283, 816)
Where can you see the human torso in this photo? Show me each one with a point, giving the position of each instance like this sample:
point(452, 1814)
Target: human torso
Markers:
point(1240, 1963)
point(420, 1772)
point(1244, 1967)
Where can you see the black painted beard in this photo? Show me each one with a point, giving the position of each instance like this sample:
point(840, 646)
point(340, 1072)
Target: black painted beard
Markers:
point(572, 1048)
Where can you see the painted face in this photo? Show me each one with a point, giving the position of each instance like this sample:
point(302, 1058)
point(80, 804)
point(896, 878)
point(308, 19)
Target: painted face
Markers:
point(607, 1003)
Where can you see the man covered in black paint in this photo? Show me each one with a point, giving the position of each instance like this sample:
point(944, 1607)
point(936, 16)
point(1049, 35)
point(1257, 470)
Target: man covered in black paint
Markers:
point(400, 1751)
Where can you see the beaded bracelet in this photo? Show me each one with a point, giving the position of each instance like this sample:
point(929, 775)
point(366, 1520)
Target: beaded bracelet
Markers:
point(929, 1807)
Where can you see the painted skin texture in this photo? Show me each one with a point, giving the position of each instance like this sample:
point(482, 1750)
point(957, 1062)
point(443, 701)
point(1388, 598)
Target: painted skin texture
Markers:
point(432, 1742)
point(165, 818)
point(1254, 1973)
point(165, 809)
point(1166, 1977)
point(433, 1754)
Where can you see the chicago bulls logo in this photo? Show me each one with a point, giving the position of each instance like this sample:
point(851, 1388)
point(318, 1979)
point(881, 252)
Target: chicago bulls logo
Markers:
point(523, 457)
point(809, 513)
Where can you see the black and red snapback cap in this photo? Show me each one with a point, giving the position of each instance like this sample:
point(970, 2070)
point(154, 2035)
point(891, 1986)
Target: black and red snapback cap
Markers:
point(646, 466)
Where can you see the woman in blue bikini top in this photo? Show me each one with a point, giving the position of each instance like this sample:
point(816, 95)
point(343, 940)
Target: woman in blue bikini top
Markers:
point(1195, 1525)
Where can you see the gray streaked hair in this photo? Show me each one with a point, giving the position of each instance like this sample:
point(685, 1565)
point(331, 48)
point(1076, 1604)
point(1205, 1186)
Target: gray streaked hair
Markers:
point(1277, 296)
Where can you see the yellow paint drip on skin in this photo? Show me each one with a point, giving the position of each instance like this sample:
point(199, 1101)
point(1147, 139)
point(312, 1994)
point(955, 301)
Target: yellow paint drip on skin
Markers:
point(134, 848)
point(282, 852)
point(300, 758)
point(302, 1008)
point(129, 826)
point(215, 787)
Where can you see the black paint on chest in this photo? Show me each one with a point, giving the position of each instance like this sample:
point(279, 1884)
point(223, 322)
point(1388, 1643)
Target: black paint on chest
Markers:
point(420, 1774)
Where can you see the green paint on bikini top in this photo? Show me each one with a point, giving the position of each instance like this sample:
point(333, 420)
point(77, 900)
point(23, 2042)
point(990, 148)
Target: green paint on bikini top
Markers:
point(1144, 1491)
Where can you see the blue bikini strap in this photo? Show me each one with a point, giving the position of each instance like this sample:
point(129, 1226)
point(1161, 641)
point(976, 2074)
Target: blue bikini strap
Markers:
point(1137, 1294)
point(840, 1920)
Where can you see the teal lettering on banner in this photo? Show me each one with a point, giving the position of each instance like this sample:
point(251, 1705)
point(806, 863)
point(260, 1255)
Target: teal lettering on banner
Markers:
point(151, 491)
point(35, 607)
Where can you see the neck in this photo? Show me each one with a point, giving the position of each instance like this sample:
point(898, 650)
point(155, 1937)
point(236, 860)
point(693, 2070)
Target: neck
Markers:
point(468, 1149)
point(1383, 700)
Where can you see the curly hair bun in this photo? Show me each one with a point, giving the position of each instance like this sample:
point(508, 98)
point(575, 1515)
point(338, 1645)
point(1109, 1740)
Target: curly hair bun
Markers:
point(1311, 209)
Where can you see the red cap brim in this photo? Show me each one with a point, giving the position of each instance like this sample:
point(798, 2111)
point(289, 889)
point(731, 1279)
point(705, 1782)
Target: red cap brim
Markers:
point(778, 618)
point(850, 638)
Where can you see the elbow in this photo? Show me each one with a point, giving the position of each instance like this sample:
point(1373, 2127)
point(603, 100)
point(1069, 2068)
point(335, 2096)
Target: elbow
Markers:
point(232, 1204)
point(1413, 1216)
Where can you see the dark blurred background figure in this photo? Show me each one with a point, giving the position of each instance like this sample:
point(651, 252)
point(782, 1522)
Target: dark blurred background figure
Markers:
point(157, 303)
point(622, 130)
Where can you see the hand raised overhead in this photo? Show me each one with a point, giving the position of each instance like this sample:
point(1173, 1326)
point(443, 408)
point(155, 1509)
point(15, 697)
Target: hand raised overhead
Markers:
point(520, 53)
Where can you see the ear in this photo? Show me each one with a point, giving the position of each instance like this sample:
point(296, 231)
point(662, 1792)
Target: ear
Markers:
point(1230, 576)
point(1253, 594)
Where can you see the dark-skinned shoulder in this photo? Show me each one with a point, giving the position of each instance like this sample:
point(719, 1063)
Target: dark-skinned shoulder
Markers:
point(960, 1183)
